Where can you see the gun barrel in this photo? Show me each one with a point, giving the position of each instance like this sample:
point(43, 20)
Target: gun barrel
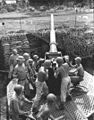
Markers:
point(53, 47)
point(52, 22)
point(53, 53)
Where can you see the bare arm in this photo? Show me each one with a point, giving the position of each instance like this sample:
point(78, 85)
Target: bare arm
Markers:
point(17, 108)
point(51, 117)
point(15, 73)
point(56, 73)
point(26, 100)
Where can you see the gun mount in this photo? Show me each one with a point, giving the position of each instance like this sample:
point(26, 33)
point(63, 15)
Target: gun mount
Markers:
point(53, 53)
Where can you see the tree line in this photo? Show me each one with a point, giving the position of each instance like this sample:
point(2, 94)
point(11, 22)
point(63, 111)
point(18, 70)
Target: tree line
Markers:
point(55, 2)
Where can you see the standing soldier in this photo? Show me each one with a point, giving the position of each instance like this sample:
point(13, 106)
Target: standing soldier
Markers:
point(63, 71)
point(35, 62)
point(20, 71)
point(13, 61)
point(59, 75)
point(41, 87)
point(26, 58)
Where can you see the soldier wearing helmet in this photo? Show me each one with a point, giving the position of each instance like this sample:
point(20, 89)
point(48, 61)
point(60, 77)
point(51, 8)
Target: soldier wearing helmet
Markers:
point(51, 80)
point(47, 109)
point(59, 61)
point(65, 84)
point(35, 62)
point(78, 73)
point(13, 61)
point(41, 87)
point(26, 58)
point(59, 74)
point(20, 71)
point(16, 103)
point(63, 80)
point(51, 98)
point(47, 64)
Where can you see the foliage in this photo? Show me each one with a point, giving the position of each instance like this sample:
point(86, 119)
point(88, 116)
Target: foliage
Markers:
point(74, 42)
point(11, 8)
point(57, 2)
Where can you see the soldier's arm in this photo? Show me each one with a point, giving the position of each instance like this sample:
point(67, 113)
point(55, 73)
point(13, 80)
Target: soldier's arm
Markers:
point(11, 60)
point(26, 100)
point(51, 117)
point(56, 73)
point(17, 109)
point(15, 72)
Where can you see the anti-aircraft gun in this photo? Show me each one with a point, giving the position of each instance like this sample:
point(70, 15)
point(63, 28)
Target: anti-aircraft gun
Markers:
point(53, 52)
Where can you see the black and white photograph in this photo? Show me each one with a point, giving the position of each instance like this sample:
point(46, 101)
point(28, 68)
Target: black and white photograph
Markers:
point(46, 59)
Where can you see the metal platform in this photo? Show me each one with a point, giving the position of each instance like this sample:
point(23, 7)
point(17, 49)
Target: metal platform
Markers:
point(80, 108)
point(85, 104)
point(82, 105)
point(74, 112)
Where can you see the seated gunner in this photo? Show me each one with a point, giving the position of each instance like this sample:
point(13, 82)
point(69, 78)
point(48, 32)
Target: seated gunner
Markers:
point(78, 72)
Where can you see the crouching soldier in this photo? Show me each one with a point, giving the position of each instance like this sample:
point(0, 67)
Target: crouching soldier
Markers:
point(16, 104)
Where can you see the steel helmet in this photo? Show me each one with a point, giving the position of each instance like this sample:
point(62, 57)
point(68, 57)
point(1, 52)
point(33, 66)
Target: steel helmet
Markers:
point(51, 98)
point(47, 63)
point(35, 57)
point(78, 59)
point(26, 55)
point(18, 89)
point(14, 51)
point(59, 60)
point(20, 58)
point(66, 57)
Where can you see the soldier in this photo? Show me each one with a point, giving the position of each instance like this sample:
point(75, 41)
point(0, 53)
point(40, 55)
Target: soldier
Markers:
point(26, 58)
point(47, 109)
point(65, 84)
point(13, 61)
point(79, 72)
point(64, 80)
point(30, 86)
point(35, 62)
point(51, 80)
point(16, 104)
point(30, 68)
point(41, 87)
point(59, 76)
point(20, 71)
point(67, 60)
